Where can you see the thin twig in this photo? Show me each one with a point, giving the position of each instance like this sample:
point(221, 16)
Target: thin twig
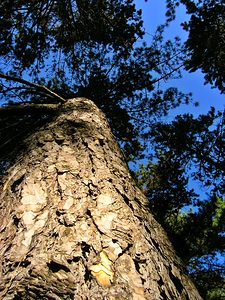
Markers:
point(167, 74)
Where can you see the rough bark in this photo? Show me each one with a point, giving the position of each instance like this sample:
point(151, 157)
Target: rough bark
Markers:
point(75, 226)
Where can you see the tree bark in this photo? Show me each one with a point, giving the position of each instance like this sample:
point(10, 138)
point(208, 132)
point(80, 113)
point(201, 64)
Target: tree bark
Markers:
point(73, 223)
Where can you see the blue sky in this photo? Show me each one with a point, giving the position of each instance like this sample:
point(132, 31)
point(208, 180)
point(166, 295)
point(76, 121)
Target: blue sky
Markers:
point(153, 15)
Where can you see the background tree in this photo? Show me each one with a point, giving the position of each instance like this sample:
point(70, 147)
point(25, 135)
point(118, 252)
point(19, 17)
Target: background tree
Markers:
point(205, 42)
point(190, 149)
point(195, 223)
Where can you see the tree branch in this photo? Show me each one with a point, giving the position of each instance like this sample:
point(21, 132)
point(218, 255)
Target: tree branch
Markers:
point(38, 87)
point(167, 74)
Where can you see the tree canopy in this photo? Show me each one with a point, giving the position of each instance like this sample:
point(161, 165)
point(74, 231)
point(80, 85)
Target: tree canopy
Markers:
point(54, 50)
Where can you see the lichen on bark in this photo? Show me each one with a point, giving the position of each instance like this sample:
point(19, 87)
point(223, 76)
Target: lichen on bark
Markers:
point(75, 225)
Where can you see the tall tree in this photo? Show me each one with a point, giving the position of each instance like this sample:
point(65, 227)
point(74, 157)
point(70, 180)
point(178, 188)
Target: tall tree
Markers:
point(92, 49)
point(74, 223)
point(188, 152)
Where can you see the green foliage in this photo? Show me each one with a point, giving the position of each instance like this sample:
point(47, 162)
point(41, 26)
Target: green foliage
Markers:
point(30, 30)
point(187, 149)
point(219, 212)
point(208, 273)
point(206, 41)
point(75, 48)
point(92, 49)
point(165, 185)
point(204, 48)
point(200, 141)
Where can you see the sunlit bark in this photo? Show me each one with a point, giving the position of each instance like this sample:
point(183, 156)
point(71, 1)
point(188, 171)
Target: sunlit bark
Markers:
point(73, 223)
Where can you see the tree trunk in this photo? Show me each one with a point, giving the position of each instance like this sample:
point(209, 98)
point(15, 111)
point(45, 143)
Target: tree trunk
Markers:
point(75, 226)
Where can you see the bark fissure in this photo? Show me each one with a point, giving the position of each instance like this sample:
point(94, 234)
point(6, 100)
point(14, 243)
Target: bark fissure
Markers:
point(74, 224)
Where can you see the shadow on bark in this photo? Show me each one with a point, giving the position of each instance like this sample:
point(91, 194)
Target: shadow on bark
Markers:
point(17, 123)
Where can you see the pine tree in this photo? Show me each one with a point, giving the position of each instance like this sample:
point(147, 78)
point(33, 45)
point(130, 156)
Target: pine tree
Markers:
point(75, 225)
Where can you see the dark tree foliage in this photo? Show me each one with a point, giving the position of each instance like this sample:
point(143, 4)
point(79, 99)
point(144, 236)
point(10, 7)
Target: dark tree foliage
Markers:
point(196, 140)
point(206, 40)
point(191, 149)
point(91, 49)
point(32, 29)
